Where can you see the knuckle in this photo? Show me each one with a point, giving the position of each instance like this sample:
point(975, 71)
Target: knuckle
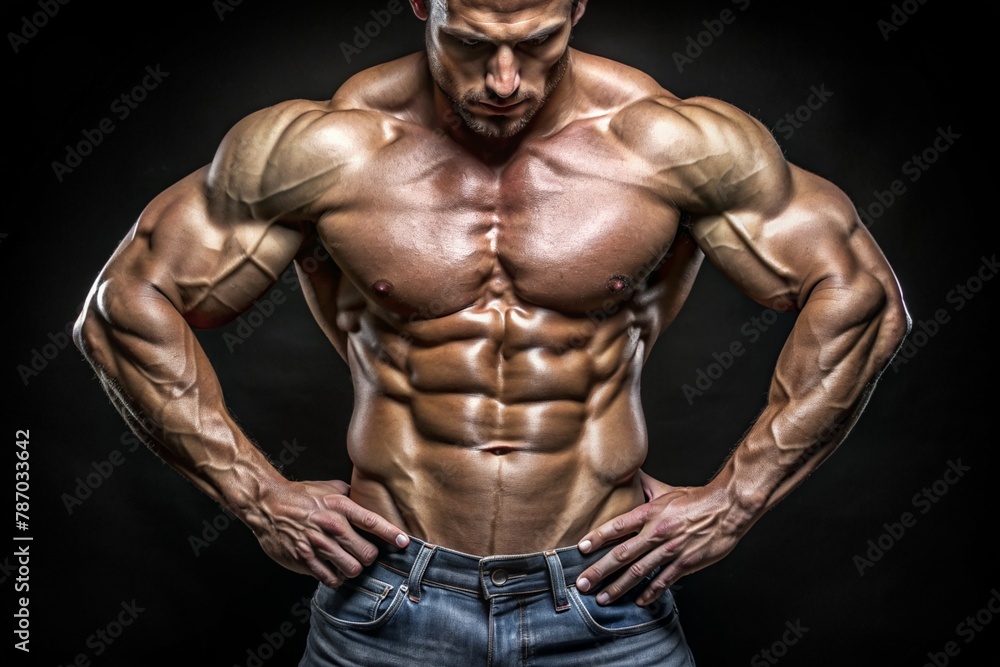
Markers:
point(337, 529)
point(686, 562)
point(637, 570)
point(618, 524)
point(336, 502)
point(662, 529)
point(301, 551)
point(621, 552)
point(368, 555)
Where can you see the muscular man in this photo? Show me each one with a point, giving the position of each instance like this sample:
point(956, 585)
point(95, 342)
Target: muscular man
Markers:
point(512, 225)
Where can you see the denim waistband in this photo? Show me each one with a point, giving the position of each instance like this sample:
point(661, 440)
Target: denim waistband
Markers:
point(490, 576)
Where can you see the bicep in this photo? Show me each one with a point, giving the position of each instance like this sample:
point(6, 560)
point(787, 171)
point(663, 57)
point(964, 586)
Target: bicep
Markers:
point(814, 256)
point(810, 239)
point(209, 261)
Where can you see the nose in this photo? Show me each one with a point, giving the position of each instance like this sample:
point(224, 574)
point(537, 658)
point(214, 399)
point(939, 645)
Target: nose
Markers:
point(502, 76)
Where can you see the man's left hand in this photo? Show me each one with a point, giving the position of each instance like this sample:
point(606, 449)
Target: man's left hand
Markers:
point(683, 528)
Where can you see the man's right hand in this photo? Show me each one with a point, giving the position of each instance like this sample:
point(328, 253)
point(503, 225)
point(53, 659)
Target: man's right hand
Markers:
point(309, 527)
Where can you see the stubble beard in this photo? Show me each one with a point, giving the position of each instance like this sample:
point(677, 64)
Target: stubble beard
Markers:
point(497, 127)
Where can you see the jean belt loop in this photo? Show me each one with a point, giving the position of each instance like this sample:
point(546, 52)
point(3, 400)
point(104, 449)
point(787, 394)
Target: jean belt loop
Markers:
point(417, 573)
point(559, 594)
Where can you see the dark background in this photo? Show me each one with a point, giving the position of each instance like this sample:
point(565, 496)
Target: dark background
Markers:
point(128, 549)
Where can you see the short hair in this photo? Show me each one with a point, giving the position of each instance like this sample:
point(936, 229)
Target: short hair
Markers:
point(431, 3)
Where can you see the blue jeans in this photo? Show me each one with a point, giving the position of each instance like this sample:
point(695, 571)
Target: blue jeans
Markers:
point(427, 605)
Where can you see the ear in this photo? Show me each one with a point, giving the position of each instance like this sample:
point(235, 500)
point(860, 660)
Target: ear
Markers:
point(581, 7)
point(420, 8)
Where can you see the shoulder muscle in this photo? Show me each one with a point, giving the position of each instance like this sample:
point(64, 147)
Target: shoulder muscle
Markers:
point(711, 156)
point(280, 161)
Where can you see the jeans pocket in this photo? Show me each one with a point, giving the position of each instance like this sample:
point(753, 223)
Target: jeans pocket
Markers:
point(362, 603)
point(624, 617)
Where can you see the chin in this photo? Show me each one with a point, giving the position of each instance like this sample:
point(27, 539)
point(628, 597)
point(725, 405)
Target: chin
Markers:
point(499, 126)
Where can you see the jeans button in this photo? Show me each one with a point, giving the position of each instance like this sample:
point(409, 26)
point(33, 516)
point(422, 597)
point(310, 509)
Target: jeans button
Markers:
point(499, 577)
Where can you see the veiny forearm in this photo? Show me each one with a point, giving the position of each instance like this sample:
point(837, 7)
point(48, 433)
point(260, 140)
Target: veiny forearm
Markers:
point(841, 342)
point(159, 378)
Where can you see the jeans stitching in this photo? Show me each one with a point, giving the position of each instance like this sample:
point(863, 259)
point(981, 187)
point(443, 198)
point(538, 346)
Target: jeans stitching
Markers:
point(380, 620)
point(628, 630)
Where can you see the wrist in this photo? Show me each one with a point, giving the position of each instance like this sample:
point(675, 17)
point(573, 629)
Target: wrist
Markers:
point(248, 488)
point(747, 498)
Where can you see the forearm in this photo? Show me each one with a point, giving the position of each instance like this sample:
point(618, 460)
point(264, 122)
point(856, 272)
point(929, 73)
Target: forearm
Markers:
point(158, 377)
point(841, 342)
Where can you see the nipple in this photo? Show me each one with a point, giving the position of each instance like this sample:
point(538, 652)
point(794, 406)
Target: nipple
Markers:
point(618, 284)
point(382, 287)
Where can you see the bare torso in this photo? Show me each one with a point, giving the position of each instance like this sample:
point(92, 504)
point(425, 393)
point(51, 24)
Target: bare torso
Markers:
point(496, 289)
point(496, 317)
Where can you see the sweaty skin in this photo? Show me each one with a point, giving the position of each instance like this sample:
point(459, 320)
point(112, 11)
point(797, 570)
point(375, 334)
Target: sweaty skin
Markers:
point(498, 276)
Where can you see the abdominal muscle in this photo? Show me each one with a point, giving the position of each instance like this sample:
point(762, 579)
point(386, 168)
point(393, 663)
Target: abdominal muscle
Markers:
point(500, 429)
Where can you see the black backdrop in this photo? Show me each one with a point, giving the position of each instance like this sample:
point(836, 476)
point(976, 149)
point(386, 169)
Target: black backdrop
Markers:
point(130, 565)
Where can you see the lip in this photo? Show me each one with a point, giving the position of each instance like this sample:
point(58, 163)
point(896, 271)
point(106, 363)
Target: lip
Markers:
point(500, 108)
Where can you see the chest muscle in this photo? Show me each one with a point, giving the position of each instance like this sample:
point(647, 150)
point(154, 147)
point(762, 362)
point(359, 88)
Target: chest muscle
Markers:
point(565, 226)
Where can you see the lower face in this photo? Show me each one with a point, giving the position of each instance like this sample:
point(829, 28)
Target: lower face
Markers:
point(490, 116)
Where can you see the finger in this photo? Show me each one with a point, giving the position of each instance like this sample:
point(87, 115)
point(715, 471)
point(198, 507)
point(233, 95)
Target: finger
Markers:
point(341, 486)
point(332, 577)
point(335, 539)
point(614, 529)
point(376, 525)
point(652, 487)
point(611, 562)
point(647, 491)
point(307, 557)
point(661, 582)
point(349, 563)
point(368, 521)
point(639, 570)
point(685, 561)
